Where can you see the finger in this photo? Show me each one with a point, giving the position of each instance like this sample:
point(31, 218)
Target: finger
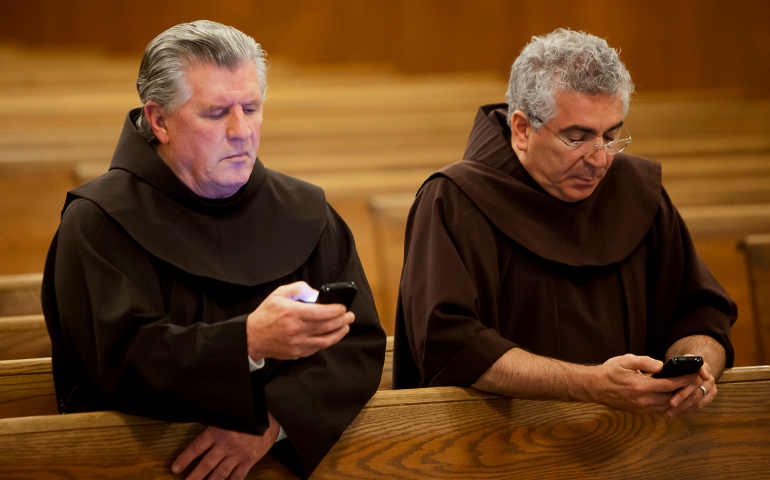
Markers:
point(711, 393)
point(653, 402)
point(207, 464)
point(332, 325)
point(689, 403)
point(195, 449)
point(241, 470)
point(321, 342)
point(683, 394)
point(224, 469)
point(643, 363)
point(317, 312)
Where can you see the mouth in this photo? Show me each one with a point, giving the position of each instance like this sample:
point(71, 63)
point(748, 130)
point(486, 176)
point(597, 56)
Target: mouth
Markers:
point(238, 156)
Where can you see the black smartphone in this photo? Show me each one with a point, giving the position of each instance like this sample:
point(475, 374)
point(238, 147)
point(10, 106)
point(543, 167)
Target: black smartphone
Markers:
point(678, 366)
point(337, 292)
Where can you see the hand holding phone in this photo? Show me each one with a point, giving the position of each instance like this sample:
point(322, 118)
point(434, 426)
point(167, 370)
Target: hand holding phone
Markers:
point(337, 292)
point(678, 366)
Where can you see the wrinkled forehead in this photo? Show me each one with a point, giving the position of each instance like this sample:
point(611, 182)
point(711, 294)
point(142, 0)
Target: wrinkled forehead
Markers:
point(599, 111)
point(211, 83)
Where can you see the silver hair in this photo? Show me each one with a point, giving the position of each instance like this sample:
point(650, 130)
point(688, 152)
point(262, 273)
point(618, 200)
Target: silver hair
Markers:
point(564, 60)
point(161, 73)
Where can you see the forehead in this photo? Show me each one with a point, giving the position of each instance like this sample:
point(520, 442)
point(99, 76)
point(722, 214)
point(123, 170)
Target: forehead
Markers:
point(215, 84)
point(599, 111)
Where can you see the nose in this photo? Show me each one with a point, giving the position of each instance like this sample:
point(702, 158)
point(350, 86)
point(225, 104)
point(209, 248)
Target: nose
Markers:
point(598, 157)
point(238, 127)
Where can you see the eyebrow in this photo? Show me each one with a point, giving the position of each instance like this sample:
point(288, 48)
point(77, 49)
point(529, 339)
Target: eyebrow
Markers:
point(216, 106)
point(581, 128)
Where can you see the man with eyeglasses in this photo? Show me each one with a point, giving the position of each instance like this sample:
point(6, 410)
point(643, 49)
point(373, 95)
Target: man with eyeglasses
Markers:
point(546, 263)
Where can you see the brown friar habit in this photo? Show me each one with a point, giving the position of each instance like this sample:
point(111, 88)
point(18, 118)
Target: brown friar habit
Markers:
point(147, 288)
point(493, 262)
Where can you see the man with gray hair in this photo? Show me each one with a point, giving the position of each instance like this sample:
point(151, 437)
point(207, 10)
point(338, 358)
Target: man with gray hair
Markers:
point(547, 264)
point(181, 283)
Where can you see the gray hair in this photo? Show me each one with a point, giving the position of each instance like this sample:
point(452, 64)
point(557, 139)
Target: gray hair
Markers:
point(161, 73)
point(564, 60)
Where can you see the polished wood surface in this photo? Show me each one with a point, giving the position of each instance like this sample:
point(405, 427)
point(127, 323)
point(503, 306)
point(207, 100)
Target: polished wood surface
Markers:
point(26, 388)
point(453, 433)
point(105, 445)
point(444, 432)
point(20, 294)
point(24, 336)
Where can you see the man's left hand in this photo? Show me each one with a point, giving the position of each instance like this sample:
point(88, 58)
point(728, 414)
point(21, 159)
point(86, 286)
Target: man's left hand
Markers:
point(695, 395)
point(226, 454)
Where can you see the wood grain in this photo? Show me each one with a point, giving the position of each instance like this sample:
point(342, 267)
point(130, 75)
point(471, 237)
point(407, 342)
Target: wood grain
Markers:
point(20, 294)
point(27, 388)
point(501, 438)
point(24, 336)
point(441, 433)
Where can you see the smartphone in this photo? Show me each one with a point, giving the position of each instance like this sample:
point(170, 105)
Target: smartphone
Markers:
point(337, 292)
point(678, 366)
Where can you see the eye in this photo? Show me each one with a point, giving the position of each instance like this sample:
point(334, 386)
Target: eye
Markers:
point(216, 113)
point(575, 140)
point(250, 109)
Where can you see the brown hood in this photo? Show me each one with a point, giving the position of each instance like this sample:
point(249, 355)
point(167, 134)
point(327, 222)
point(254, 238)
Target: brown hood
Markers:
point(599, 230)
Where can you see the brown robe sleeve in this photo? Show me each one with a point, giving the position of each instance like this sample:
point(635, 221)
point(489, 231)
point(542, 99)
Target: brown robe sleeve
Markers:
point(685, 297)
point(449, 287)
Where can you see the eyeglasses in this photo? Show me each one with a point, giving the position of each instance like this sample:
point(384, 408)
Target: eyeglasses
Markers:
point(611, 147)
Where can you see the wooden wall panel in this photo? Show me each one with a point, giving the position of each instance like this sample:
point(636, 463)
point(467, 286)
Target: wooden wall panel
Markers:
point(667, 44)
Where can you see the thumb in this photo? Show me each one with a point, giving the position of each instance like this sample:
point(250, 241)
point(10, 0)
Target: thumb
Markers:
point(297, 291)
point(643, 363)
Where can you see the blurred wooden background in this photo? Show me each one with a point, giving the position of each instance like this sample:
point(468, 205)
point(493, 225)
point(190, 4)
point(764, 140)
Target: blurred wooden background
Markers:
point(368, 97)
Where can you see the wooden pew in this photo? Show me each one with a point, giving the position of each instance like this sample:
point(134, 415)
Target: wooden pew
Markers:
point(26, 388)
point(462, 433)
point(104, 445)
point(24, 336)
point(26, 385)
point(444, 432)
point(756, 252)
point(20, 294)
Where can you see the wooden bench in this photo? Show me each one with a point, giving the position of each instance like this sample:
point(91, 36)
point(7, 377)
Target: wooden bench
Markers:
point(756, 251)
point(26, 388)
point(442, 433)
point(20, 294)
point(26, 385)
point(24, 336)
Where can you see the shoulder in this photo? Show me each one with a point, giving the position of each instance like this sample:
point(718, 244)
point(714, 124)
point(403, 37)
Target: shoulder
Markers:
point(630, 169)
point(291, 188)
point(440, 192)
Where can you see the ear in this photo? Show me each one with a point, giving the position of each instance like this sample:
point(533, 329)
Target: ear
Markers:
point(521, 130)
point(153, 114)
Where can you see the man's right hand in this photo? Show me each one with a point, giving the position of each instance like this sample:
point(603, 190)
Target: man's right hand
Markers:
point(619, 383)
point(284, 328)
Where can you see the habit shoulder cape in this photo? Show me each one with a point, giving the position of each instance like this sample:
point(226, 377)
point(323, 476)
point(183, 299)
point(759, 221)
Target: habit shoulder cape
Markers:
point(492, 262)
point(147, 287)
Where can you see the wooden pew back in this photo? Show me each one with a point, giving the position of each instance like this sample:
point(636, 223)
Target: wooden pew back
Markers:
point(26, 388)
point(24, 336)
point(20, 294)
point(756, 251)
point(441, 433)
